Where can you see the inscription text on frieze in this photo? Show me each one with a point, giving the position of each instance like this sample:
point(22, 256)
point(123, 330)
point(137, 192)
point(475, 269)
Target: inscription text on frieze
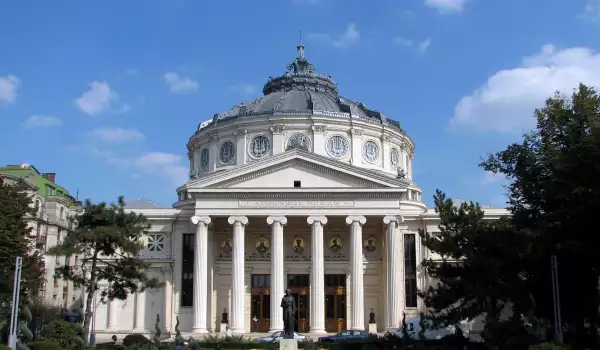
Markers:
point(298, 204)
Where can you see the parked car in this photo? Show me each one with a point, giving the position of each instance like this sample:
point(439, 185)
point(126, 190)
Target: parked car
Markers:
point(413, 330)
point(348, 335)
point(275, 337)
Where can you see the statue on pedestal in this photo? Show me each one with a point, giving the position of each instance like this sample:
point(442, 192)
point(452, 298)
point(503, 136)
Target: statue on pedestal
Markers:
point(288, 304)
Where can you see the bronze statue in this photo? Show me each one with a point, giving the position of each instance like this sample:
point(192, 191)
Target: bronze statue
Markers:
point(288, 304)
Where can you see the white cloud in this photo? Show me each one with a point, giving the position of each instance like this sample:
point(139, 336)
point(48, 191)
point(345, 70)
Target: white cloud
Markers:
point(424, 45)
point(492, 178)
point(116, 134)
point(98, 99)
point(447, 6)
point(245, 89)
point(402, 41)
point(178, 84)
point(41, 121)
point(349, 37)
point(164, 165)
point(591, 11)
point(8, 88)
point(506, 102)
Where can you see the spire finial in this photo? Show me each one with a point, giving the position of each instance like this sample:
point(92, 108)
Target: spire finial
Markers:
point(300, 47)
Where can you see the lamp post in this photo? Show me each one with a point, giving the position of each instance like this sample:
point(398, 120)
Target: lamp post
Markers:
point(14, 316)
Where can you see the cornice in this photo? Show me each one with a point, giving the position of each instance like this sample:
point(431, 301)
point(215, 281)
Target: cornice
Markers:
point(300, 195)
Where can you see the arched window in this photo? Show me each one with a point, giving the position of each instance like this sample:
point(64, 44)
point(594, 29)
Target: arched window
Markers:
point(62, 213)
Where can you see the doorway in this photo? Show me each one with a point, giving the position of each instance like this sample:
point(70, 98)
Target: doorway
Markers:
point(261, 303)
point(299, 287)
point(335, 303)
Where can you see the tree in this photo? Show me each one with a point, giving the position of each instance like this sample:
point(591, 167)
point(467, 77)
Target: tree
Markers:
point(554, 193)
point(15, 240)
point(477, 263)
point(107, 240)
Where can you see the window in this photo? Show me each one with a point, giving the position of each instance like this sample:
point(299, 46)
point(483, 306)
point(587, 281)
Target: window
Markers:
point(204, 159)
point(371, 151)
point(410, 270)
point(337, 146)
point(156, 243)
point(259, 146)
point(187, 270)
point(298, 281)
point(261, 281)
point(58, 236)
point(227, 152)
point(335, 280)
point(62, 213)
point(297, 184)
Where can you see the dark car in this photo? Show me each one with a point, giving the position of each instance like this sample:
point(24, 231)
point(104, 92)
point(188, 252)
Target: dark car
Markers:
point(345, 336)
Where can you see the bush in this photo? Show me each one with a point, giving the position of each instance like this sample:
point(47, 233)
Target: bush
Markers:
point(63, 333)
point(43, 345)
point(4, 347)
point(135, 338)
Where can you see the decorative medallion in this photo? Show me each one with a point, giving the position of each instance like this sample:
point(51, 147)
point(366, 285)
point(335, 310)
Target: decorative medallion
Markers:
point(262, 244)
point(204, 159)
point(298, 245)
point(298, 140)
point(337, 146)
point(336, 243)
point(156, 243)
point(370, 151)
point(394, 157)
point(369, 244)
point(227, 152)
point(259, 146)
point(227, 245)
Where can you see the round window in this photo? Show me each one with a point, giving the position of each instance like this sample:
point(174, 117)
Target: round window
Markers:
point(371, 151)
point(260, 146)
point(227, 152)
point(337, 146)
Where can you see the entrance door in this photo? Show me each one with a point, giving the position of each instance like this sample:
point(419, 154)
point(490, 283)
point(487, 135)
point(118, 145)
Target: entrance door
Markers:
point(299, 286)
point(261, 303)
point(335, 303)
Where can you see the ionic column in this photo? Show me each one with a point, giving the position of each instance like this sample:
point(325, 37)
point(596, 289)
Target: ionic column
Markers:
point(140, 312)
point(277, 275)
point(112, 315)
point(356, 271)
point(238, 290)
point(200, 273)
point(317, 275)
point(394, 260)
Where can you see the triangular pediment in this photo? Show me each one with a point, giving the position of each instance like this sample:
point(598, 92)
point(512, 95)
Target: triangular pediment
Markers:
point(311, 170)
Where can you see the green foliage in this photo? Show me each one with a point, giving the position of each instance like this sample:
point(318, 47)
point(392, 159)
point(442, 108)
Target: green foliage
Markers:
point(178, 338)
point(550, 346)
point(135, 338)
point(25, 319)
point(157, 328)
point(479, 267)
point(15, 240)
point(108, 239)
point(4, 347)
point(554, 193)
point(44, 345)
point(63, 333)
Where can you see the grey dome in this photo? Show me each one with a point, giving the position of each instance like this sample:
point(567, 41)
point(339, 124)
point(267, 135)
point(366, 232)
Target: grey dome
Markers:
point(301, 91)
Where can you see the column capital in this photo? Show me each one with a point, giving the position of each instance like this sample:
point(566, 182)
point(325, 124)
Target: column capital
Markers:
point(198, 219)
point(241, 219)
point(273, 219)
point(317, 219)
point(388, 219)
point(358, 218)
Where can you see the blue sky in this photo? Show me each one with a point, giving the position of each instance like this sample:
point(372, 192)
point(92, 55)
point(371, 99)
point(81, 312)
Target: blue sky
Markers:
point(106, 94)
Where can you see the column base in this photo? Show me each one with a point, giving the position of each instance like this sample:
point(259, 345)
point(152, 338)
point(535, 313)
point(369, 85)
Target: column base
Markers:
point(139, 330)
point(373, 328)
point(111, 328)
point(238, 331)
point(317, 331)
point(200, 330)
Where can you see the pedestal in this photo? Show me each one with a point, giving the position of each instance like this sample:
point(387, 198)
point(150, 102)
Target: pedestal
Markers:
point(223, 327)
point(373, 328)
point(288, 344)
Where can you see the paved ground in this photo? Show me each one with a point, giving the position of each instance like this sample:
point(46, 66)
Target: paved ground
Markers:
point(107, 337)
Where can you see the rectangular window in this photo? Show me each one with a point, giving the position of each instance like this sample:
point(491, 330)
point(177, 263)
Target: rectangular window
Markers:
point(58, 236)
point(187, 270)
point(410, 270)
point(261, 281)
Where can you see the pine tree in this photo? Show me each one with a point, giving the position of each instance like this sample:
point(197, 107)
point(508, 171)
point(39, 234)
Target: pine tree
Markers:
point(15, 240)
point(478, 263)
point(107, 240)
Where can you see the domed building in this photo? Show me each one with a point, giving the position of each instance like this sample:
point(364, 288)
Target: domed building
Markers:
point(299, 189)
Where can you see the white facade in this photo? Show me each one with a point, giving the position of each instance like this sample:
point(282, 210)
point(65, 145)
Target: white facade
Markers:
point(299, 189)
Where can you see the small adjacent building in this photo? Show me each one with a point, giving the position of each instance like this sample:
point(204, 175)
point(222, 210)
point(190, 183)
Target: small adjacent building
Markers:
point(54, 205)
